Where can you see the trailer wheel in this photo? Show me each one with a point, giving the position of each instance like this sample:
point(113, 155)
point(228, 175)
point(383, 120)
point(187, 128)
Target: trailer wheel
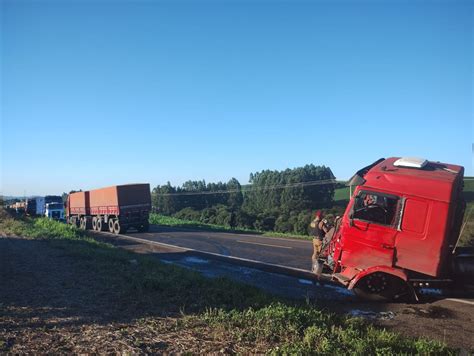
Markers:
point(82, 224)
point(117, 228)
point(111, 225)
point(380, 286)
point(99, 224)
point(94, 223)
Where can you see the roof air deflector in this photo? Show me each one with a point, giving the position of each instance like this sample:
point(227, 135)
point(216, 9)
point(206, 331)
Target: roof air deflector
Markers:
point(411, 162)
point(358, 178)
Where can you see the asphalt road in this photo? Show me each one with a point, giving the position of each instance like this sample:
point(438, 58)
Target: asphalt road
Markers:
point(285, 252)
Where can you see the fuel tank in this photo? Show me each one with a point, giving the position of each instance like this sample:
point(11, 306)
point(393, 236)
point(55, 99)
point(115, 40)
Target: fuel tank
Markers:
point(463, 264)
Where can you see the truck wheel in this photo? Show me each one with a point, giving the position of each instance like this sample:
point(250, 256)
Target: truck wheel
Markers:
point(94, 223)
point(111, 225)
point(99, 224)
point(381, 286)
point(117, 228)
point(82, 224)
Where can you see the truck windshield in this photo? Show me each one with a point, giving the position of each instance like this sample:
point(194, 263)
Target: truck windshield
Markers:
point(55, 206)
point(376, 207)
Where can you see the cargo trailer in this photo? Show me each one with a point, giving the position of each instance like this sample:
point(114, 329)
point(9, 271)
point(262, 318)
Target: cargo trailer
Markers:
point(116, 208)
point(30, 206)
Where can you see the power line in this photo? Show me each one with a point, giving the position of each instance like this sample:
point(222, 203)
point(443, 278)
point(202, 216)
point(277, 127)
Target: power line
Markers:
point(269, 187)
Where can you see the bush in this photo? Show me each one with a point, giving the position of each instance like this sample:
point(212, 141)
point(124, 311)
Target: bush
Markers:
point(265, 223)
point(188, 214)
point(301, 225)
point(244, 219)
point(283, 225)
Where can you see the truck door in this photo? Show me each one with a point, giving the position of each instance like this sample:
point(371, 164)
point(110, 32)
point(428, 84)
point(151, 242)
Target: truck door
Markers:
point(421, 238)
point(369, 239)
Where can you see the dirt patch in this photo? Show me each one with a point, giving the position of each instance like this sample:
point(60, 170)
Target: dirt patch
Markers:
point(430, 312)
point(51, 302)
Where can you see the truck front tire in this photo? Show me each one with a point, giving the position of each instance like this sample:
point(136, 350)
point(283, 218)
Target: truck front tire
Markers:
point(379, 286)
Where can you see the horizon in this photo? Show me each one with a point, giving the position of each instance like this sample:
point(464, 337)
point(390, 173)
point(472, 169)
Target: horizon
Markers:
point(99, 93)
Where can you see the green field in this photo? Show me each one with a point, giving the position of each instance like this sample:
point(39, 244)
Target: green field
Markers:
point(195, 308)
point(467, 236)
point(341, 194)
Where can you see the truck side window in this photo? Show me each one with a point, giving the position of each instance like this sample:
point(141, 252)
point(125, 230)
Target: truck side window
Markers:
point(375, 207)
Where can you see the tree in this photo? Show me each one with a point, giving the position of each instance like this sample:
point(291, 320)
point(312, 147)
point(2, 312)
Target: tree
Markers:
point(163, 199)
point(235, 197)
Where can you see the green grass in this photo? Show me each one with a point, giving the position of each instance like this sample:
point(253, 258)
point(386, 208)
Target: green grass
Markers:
point(469, 184)
point(237, 312)
point(164, 220)
point(341, 194)
point(305, 330)
point(467, 235)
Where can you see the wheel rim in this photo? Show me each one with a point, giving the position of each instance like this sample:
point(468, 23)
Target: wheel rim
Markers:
point(116, 227)
point(94, 223)
point(376, 283)
point(99, 225)
point(111, 225)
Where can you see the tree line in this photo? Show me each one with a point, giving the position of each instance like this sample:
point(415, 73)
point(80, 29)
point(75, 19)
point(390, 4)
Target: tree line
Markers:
point(282, 201)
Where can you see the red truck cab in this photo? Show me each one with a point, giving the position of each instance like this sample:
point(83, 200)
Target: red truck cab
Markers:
point(400, 227)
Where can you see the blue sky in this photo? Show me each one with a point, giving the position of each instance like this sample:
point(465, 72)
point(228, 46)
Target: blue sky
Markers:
point(98, 93)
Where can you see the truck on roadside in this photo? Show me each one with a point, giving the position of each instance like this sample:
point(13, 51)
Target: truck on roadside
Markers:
point(54, 211)
point(35, 206)
point(116, 208)
point(400, 230)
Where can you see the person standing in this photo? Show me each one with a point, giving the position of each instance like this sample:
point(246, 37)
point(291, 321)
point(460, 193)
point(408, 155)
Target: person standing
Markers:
point(319, 229)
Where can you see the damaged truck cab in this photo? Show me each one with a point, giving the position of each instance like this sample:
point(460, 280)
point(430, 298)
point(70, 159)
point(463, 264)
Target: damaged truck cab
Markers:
point(400, 228)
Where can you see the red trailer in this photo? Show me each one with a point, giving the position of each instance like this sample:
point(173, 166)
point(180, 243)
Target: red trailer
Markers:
point(78, 205)
point(400, 229)
point(115, 208)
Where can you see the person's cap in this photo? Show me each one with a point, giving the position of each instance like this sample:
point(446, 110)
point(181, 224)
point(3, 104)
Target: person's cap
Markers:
point(319, 214)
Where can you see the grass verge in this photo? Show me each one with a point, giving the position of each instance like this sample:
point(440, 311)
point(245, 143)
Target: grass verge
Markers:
point(215, 309)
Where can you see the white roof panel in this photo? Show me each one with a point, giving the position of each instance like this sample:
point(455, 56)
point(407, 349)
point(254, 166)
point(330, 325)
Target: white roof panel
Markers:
point(412, 162)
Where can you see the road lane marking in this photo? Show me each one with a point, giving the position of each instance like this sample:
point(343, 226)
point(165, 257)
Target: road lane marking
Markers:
point(460, 301)
point(257, 243)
